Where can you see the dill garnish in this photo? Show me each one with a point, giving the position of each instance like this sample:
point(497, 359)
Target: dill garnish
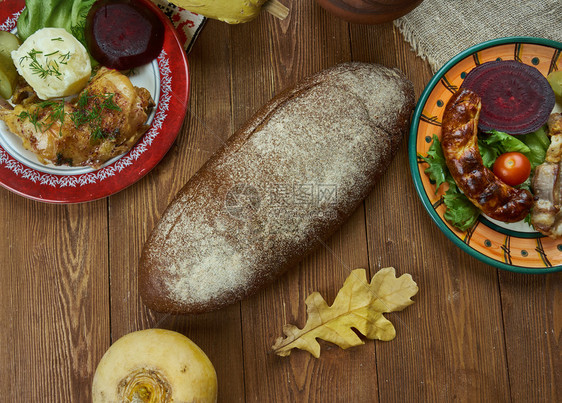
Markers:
point(89, 110)
point(51, 67)
point(64, 58)
point(56, 114)
point(93, 115)
point(98, 134)
point(33, 118)
point(81, 116)
point(131, 72)
point(108, 102)
point(78, 28)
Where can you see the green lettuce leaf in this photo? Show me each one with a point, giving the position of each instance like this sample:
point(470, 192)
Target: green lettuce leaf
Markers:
point(67, 14)
point(505, 142)
point(460, 211)
point(495, 143)
point(488, 153)
point(538, 142)
point(437, 170)
point(532, 145)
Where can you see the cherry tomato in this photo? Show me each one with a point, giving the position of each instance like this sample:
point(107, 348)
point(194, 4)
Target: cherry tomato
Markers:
point(512, 168)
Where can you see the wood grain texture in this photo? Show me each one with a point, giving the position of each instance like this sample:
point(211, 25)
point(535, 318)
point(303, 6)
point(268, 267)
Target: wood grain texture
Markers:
point(301, 378)
point(135, 212)
point(533, 333)
point(69, 281)
point(455, 341)
point(55, 293)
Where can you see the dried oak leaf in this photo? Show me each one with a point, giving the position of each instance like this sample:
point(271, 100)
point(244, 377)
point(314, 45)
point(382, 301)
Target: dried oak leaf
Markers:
point(358, 305)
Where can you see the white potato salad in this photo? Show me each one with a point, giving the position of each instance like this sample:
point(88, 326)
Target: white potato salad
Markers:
point(53, 62)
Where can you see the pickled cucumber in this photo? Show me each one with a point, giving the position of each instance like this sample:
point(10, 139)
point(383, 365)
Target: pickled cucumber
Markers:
point(8, 42)
point(8, 77)
point(555, 81)
point(8, 73)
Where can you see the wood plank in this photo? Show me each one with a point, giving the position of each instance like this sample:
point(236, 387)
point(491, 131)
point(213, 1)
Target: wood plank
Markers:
point(54, 300)
point(135, 211)
point(532, 317)
point(69, 272)
point(338, 375)
point(282, 52)
point(445, 325)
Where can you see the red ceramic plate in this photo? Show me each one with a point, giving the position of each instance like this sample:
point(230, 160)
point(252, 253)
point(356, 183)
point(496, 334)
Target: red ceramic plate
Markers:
point(166, 78)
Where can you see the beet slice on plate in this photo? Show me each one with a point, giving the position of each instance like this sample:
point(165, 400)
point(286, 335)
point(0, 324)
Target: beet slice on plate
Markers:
point(516, 97)
point(122, 34)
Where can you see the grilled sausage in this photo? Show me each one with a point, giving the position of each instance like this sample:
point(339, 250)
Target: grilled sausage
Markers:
point(460, 148)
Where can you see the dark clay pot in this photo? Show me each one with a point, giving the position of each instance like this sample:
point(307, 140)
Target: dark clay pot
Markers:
point(369, 11)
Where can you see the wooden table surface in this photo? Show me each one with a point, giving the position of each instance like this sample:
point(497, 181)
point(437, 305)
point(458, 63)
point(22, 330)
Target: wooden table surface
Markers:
point(69, 272)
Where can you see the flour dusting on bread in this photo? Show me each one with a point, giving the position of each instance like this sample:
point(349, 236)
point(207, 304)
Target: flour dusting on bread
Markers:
point(282, 183)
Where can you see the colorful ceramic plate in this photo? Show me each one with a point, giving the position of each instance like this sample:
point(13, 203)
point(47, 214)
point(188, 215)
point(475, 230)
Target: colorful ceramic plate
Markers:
point(515, 247)
point(166, 78)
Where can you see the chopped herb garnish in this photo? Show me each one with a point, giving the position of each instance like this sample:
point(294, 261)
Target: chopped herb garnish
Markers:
point(33, 118)
point(46, 104)
point(57, 39)
point(108, 103)
point(93, 115)
point(131, 72)
point(78, 30)
point(86, 112)
point(97, 134)
point(81, 116)
point(55, 115)
point(83, 100)
point(51, 67)
point(63, 59)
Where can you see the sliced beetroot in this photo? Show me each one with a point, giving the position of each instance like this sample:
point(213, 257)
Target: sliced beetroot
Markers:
point(122, 34)
point(516, 97)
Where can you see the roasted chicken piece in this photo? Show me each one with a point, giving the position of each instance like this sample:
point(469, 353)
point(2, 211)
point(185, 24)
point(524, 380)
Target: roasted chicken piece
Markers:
point(105, 120)
point(546, 215)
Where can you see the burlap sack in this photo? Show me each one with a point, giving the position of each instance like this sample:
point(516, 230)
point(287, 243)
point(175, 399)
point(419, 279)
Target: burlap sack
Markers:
point(439, 29)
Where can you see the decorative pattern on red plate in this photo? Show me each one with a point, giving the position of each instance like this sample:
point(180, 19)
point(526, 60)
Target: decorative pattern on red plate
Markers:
point(54, 185)
point(103, 173)
point(10, 22)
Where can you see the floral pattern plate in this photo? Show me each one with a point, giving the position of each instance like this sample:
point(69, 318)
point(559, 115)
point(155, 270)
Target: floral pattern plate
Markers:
point(515, 247)
point(166, 78)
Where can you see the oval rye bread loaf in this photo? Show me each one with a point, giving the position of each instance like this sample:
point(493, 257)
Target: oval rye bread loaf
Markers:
point(281, 185)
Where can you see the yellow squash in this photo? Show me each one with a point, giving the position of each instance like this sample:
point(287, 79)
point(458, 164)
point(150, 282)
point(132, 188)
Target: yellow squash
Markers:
point(230, 11)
